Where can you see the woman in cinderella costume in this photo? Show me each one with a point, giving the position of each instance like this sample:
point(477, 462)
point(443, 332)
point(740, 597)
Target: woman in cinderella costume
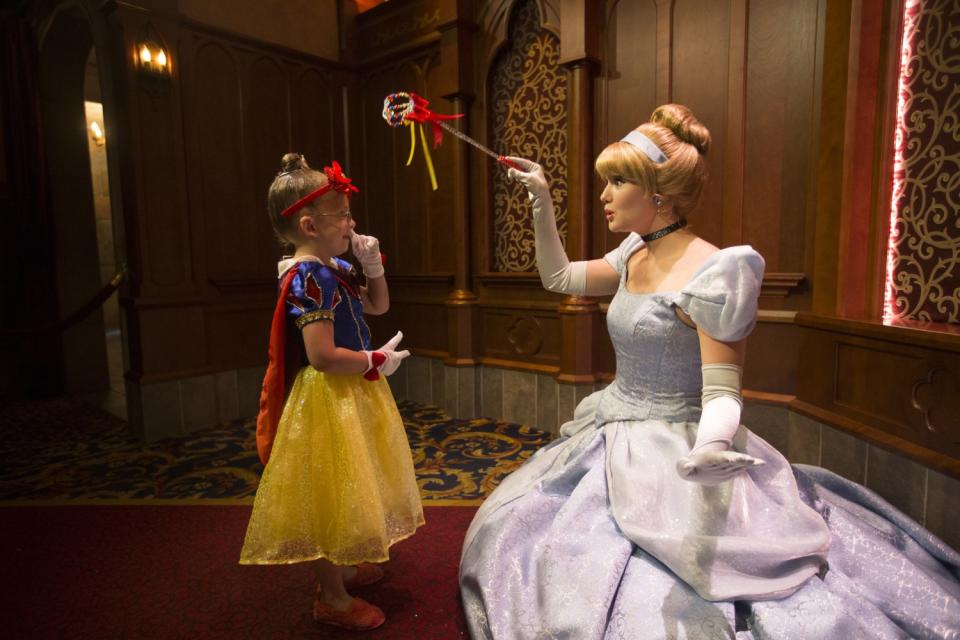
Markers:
point(656, 515)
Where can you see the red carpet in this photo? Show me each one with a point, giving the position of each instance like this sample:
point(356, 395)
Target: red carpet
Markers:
point(166, 572)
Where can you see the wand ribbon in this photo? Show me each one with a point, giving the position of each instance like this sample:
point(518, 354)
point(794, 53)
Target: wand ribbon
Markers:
point(409, 109)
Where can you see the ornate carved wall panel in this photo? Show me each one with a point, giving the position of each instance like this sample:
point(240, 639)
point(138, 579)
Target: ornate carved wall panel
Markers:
point(397, 28)
point(527, 112)
point(926, 245)
point(525, 335)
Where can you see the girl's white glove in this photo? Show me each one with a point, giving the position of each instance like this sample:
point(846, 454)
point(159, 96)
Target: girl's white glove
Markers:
point(367, 251)
point(386, 359)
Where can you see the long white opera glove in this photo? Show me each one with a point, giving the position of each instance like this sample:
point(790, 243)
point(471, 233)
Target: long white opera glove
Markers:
point(710, 461)
point(384, 360)
point(557, 273)
point(367, 251)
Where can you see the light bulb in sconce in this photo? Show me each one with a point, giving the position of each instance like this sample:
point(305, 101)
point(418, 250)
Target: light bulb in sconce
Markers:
point(97, 133)
point(153, 58)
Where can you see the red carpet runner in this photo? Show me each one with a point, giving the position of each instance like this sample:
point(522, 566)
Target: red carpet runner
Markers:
point(168, 572)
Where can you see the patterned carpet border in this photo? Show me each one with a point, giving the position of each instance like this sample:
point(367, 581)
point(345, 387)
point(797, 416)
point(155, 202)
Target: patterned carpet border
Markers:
point(66, 451)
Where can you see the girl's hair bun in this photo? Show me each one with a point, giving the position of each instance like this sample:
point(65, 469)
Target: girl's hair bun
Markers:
point(292, 162)
point(681, 121)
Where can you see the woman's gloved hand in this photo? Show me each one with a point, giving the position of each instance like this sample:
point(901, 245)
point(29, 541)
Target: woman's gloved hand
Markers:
point(557, 273)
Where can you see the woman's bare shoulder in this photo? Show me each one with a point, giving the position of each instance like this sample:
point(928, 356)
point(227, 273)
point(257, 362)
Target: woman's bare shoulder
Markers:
point(697, 253)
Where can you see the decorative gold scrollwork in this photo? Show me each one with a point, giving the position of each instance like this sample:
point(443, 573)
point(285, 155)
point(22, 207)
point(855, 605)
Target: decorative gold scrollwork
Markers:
point(528, 118)
point(926, 233)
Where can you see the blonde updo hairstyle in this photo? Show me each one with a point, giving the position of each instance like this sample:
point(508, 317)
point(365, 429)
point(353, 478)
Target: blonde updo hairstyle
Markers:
point(295, 180)
point(683, 139)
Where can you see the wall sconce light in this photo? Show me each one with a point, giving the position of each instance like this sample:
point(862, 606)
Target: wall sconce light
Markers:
point(97, 133)
point(152, 59)
point(153, 64)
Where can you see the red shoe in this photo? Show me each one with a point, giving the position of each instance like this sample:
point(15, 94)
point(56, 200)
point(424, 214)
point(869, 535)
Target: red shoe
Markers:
point(359, 616)
point(366, 574)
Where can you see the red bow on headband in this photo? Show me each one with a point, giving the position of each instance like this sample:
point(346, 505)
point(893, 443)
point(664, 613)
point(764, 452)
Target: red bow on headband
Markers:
point(336, 181)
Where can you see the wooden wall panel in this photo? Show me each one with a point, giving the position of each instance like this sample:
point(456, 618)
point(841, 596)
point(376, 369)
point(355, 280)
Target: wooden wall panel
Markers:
point(173, 342)
point(417, 309)
point(701, 28)
point(399, 205)
point(382, 171)
point(402, 207)
point(424, 326)
point(627, 90)
point(437, 215)
point(626, 87)
point(530, 336)
point(213, 123)
point(165, 240)
point(773, 354)
point(859, 392)
point(316, 122)
point(249, 106)
point(233, 330)
point(779, 133)
point(266, 137)
point(900, 388)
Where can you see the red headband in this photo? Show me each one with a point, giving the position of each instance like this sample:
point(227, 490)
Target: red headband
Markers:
point(336, 181)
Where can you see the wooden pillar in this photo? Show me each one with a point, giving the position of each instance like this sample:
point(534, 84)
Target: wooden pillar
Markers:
point(462, 304)
point(664, 51)
point(579, 53)
point(463, 310)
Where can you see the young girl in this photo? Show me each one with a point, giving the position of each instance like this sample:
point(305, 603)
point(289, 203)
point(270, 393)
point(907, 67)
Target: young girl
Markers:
point(338, 486)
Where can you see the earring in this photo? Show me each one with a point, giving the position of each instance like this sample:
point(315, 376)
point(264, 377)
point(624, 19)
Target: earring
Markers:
point(658, 202)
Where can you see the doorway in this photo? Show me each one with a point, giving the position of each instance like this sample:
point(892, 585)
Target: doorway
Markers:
point(76, 115)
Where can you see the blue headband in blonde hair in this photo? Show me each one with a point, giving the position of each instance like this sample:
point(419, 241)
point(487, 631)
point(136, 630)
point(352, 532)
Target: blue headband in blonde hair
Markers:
point(646, 145)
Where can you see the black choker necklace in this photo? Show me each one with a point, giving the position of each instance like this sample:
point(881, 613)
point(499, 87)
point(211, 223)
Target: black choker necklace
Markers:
point(656, 235)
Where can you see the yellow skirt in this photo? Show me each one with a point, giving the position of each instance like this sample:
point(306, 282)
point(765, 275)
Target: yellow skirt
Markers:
point(340, 482)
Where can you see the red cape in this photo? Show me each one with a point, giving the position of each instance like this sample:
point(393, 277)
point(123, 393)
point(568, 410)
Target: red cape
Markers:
point(282, 352)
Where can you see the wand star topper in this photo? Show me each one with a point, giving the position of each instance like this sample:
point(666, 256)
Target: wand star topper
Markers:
point(409, 109)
